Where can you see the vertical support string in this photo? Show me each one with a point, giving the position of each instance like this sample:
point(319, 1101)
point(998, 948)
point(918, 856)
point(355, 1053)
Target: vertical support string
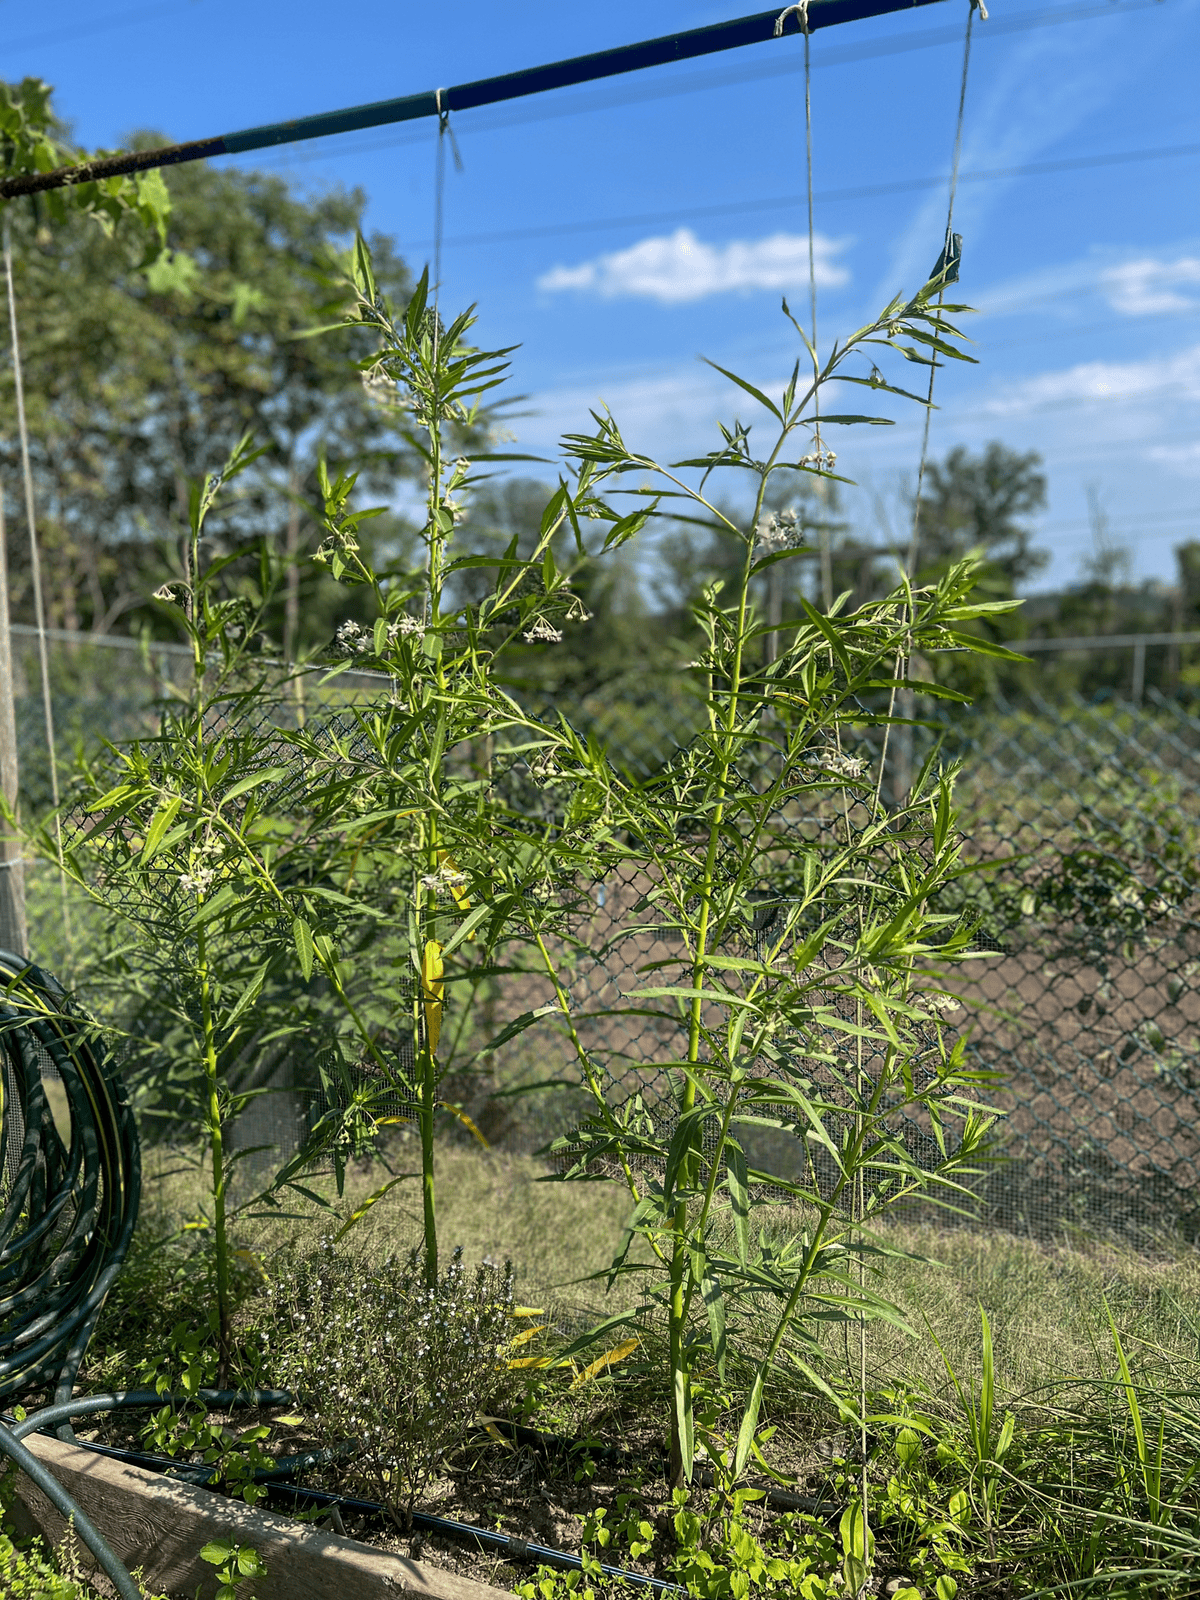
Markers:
point(823, 531)
point(35, 564)
point(947, 265)
point(948, 268)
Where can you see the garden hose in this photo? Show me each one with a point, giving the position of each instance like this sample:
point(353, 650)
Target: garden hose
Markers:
point(68, 1210)
point(13, 1433)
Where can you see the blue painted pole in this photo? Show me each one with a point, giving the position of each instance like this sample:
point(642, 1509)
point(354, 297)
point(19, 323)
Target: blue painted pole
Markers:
point(689, 46)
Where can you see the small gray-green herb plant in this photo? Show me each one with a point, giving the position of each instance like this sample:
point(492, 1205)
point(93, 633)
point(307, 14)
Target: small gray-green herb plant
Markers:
point(797, 951)
point(389, 1373)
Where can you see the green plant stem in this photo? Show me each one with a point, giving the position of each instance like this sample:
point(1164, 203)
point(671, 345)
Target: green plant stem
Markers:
point(216, 1140)
point(679, 1467)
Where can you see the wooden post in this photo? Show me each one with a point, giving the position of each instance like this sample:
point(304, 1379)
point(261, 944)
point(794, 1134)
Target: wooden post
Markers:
point(13, 933)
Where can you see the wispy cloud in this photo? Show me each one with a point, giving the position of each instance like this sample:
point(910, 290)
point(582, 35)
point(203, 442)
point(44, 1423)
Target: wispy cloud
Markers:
point(1138, 287)
point(678, 267)
point(1149, 287)
point(1164, 377)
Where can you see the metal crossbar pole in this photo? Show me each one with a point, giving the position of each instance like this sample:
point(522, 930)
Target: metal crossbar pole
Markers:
point(696, 42)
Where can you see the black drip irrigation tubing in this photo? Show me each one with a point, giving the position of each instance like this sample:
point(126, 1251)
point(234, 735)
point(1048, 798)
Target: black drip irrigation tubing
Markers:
point(689, 46)
point(285, 1495)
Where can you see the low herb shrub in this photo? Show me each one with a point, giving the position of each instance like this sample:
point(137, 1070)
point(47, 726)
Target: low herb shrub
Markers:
point(390, 1373)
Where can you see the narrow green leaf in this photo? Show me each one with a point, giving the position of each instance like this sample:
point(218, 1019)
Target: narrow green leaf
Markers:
point(748, 387)
point(738, 1183)
point(749, 1427)
point(163, 819)
point(302, 934)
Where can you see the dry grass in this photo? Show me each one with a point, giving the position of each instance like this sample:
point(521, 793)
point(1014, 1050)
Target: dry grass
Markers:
point(1046, 1304)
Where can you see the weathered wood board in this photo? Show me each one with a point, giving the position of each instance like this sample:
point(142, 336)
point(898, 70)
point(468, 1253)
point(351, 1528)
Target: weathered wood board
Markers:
point(160, 1525)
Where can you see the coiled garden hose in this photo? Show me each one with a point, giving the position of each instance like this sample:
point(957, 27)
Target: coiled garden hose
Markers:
point(68, 1210)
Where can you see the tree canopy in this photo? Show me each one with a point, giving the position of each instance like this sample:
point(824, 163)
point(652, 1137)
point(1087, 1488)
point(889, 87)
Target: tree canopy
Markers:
point(141, 372)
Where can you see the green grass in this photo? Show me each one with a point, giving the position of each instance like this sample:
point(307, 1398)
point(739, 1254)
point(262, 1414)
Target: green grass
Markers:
point(1091, 1478)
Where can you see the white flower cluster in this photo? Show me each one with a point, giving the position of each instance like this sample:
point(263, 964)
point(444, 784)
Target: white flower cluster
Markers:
point(202, 868)
point(445, 878)
point(543, 633)
point(937, 1003)
point(352, 640)
point(835, 763)
point(779, 531)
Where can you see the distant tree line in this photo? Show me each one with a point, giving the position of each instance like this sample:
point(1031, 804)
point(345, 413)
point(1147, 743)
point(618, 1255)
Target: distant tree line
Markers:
point(139, 379)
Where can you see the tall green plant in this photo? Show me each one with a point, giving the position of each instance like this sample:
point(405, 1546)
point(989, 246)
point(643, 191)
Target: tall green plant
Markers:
point(423, 766)
point(187, 840)
point(793, 912)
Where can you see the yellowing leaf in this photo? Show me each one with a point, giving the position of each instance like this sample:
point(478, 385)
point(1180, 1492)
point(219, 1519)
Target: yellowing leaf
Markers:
point(457, 1111)
point(528, 1311)
point(608, 1359)
point(255, 1261)
point(372, 1199)
point(533, 1361)
point(524, 1338)
point(431, 981)
point(446, 860)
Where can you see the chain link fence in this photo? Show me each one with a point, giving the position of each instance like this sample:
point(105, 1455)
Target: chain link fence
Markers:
point(1083, 997)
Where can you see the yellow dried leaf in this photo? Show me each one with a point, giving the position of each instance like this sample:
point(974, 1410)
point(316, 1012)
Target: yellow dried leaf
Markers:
point(524, 1338)
point(432, 972)
point(457, 1111)
point(608, 1359)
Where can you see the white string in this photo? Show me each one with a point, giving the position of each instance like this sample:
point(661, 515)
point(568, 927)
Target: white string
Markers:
point(34, 556)
point(947, 247)
point(801, 14)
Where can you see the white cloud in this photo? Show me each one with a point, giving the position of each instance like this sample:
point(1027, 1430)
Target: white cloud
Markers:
point(678, 267)
point(1185, 458)
point(1176, 377)
point(1149, 287)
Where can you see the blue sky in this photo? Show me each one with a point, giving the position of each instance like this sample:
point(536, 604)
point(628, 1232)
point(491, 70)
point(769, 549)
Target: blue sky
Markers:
point(618, 231)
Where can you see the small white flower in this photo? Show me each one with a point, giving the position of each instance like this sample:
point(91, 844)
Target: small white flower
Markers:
point(543, 633)
point(168, 592)
point(779, 531)
point(352, 640)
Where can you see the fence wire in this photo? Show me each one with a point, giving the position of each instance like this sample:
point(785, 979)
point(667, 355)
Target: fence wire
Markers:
point(1084, 995)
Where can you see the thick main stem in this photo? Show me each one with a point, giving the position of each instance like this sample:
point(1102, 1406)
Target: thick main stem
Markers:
point(677, 1312)
point(216, 1141)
